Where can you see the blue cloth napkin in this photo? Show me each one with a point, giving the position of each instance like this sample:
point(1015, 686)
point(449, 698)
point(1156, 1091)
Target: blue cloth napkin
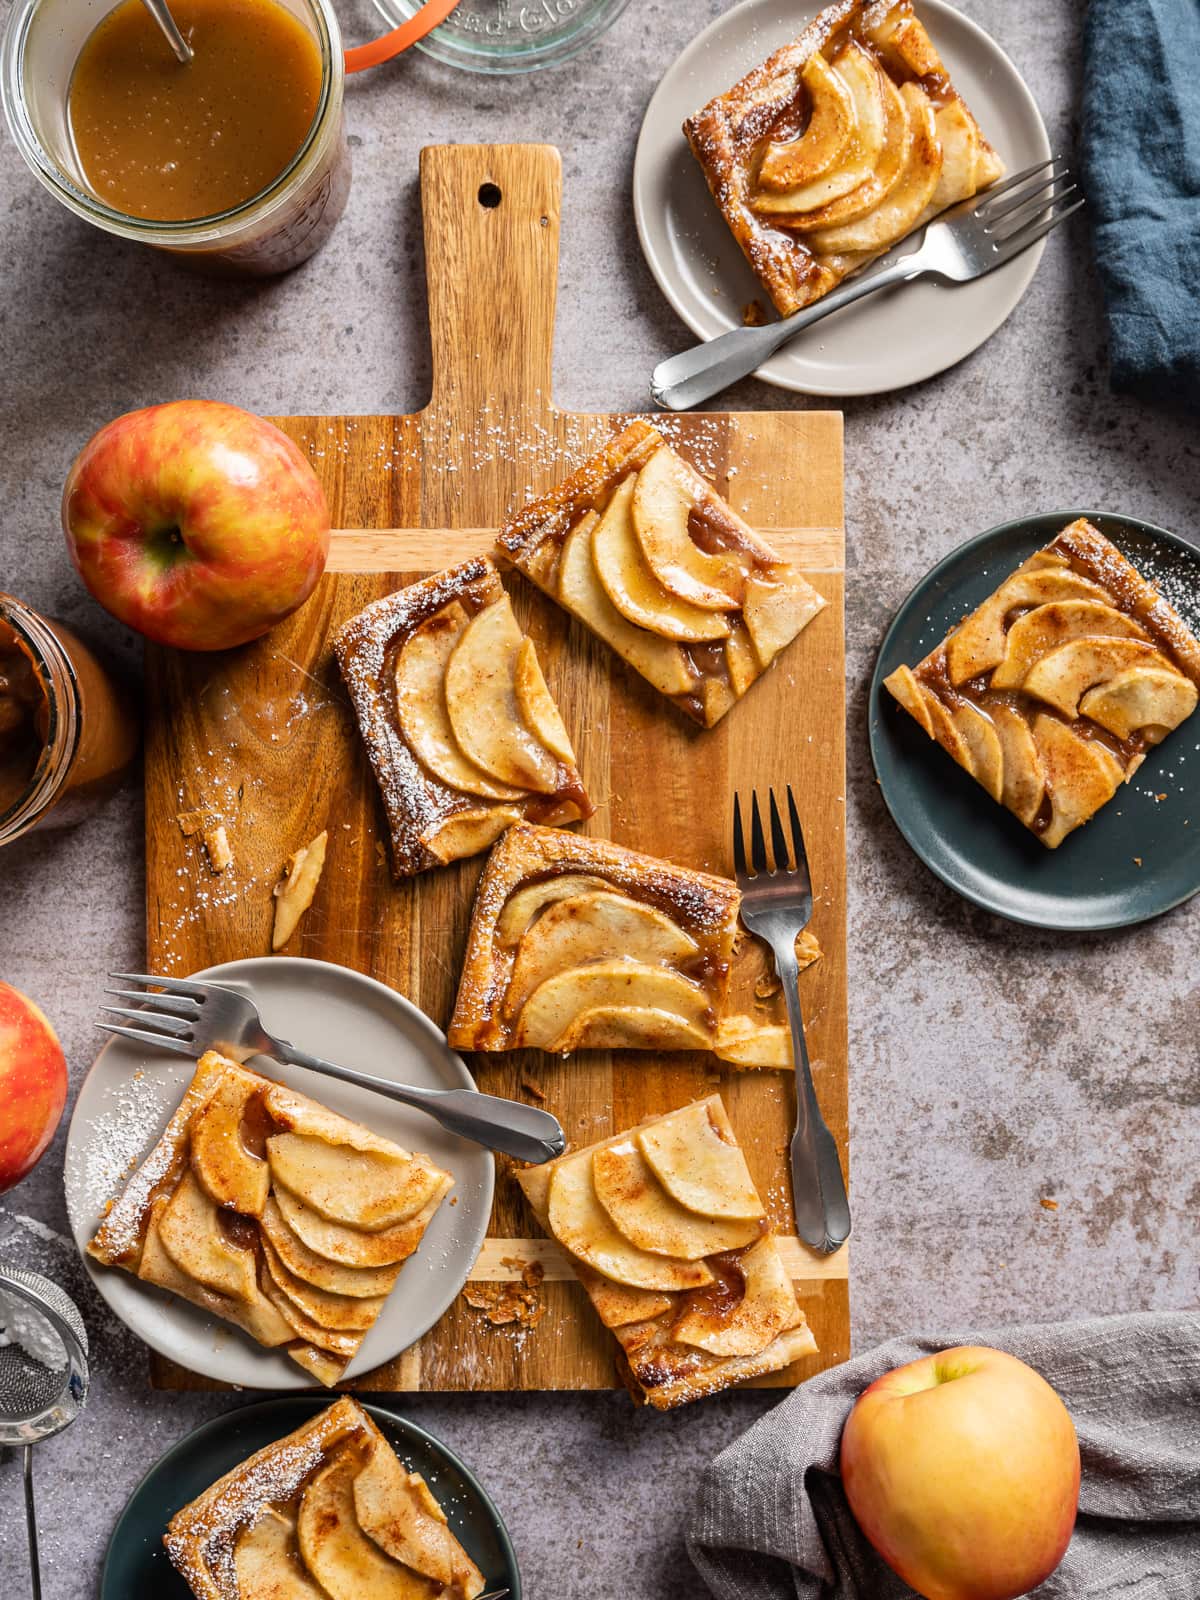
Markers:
point(1141, 170)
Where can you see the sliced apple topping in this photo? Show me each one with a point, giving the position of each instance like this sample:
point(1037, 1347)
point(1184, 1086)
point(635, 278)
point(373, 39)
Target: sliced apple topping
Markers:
point(466, 833)
point(345, 1562)
point(959, 138)
point(859, 155)
point(1045, 627)
point(537, 706)
point(481, 700)
point(1081, 775)
point(767, 1307)
point(230, 1173)
point(743, 1042)
point(633, 588)
point(898, 210)
point(645, 1213)
point(579, 1222)
point(978, 645)
point(831, 123)
point(368, 1189)
point(665, 493)
point(342, 1345)
point(265, 1564)
point(337, 1312)
point(350, 1247)
point(1064, 675)
point(190, 1231)
point(985, 754)
point(632, 1028)
point(597, 926)
point(526, 903)
point(699, 1166)
point(396, 1509)
point(1149, 700)
point(859, 204)
point(659, 660)
point(1024, 780)
point(361, 1283)
point(551, 1009)
point(777, 609)
point(421, 705)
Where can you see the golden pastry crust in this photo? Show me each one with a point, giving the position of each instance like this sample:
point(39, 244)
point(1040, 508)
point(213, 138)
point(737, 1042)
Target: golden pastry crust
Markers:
point(462, 734)
point(329, 1492)
point(646, 554)
point(578, 943)
point(1051, 692)
point(735, 1314)
point(264, 1208)
point(840, 144)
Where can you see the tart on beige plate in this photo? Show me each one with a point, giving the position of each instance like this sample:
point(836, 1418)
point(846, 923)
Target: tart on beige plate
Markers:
point(263, 1207)
point(326, 1513)
point(463, 735)
point(1051, 692)
point(669, 1237)
point(581, 944)
point(645, 553)
point(839, 145)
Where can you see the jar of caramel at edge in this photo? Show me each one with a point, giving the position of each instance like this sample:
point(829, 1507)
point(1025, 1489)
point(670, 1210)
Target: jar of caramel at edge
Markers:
point(68, 729)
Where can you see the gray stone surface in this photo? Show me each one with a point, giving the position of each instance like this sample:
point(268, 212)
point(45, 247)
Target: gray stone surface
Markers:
point(991, 1066)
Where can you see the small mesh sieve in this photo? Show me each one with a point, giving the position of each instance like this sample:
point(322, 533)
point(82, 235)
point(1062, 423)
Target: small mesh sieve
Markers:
point(43, 1374)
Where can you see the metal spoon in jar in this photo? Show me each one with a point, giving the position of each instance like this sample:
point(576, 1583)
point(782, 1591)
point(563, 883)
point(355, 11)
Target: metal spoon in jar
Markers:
point(158, 10)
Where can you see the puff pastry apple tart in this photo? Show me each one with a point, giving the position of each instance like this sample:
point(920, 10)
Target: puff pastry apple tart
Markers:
point(645, 553)
point(463, 735)
point(837, 146)
point(1051, 692)
point(667, 1234)
point(581, 944)
point(263, 1207)
point(326, 1513)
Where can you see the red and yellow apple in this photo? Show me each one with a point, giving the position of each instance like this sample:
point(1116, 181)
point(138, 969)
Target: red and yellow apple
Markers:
point(196, 523)
point(963, 1471)
point(33, 1085)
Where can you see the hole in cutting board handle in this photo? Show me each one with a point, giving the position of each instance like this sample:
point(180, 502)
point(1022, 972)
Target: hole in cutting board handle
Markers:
point(489, 196)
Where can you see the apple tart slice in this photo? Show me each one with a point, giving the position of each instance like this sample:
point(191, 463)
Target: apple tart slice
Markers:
point(667, 1234)
point(646, 554)
point(463, 735)
point(266, 1209)
point(326, 1513)
point(1051, 692)
point(581, 944)
point(839, 145)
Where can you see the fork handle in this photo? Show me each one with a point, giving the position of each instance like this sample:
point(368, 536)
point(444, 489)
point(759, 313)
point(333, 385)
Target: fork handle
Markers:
point(525, 1132)
point(697, 374)
point(818, 1188)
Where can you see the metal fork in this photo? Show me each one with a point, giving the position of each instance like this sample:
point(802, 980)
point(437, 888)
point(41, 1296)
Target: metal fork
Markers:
point(777, 904)
point(192, 1017)
point(966, 242)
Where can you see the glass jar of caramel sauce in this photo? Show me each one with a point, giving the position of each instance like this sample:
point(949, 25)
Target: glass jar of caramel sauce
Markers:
point(235, 162)
point(68, 729)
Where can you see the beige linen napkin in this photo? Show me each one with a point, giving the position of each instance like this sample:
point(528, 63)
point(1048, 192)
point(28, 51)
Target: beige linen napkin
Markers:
point(772, 1522)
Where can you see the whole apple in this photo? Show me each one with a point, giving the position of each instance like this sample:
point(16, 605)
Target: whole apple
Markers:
point(196, 523)
point(963, 1471)
point(33, 1085)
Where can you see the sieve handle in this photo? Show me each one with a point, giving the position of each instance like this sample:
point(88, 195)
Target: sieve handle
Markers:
point(35, 1571)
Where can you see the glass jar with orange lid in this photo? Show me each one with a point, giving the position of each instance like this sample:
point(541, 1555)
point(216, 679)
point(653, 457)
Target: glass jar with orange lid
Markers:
point(68, 728)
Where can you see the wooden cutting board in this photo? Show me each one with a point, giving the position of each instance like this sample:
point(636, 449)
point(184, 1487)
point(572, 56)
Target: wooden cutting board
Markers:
point(265, 737)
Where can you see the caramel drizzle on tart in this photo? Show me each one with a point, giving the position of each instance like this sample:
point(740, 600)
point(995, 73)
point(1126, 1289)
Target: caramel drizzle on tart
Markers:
point(266, 1209)
point(325, 1513)
point(579, 943)
point(461, 731)
point(839, 145)
point(668, 1235)
point(1051, 692)
point(649, 557)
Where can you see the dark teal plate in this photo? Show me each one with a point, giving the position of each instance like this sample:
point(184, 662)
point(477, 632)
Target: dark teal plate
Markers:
point(137, 1565)
point(1137, 857)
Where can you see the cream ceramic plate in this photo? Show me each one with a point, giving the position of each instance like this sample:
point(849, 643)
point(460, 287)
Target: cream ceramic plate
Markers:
point(900, 336)
point(130, 1093)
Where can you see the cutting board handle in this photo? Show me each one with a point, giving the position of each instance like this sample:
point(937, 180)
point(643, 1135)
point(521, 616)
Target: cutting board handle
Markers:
point(491, 215)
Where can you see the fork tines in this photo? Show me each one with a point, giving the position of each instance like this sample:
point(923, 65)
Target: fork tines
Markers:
point(1030, 204)
point(164, 1020)
point(783, 857)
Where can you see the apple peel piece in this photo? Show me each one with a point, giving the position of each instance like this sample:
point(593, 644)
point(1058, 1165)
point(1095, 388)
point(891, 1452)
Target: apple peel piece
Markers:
point(295, 891)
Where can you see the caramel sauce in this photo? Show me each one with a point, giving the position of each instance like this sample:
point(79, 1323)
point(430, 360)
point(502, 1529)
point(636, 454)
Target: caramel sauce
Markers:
point(173, 143)
point(24, 718)
point(725, 1293)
